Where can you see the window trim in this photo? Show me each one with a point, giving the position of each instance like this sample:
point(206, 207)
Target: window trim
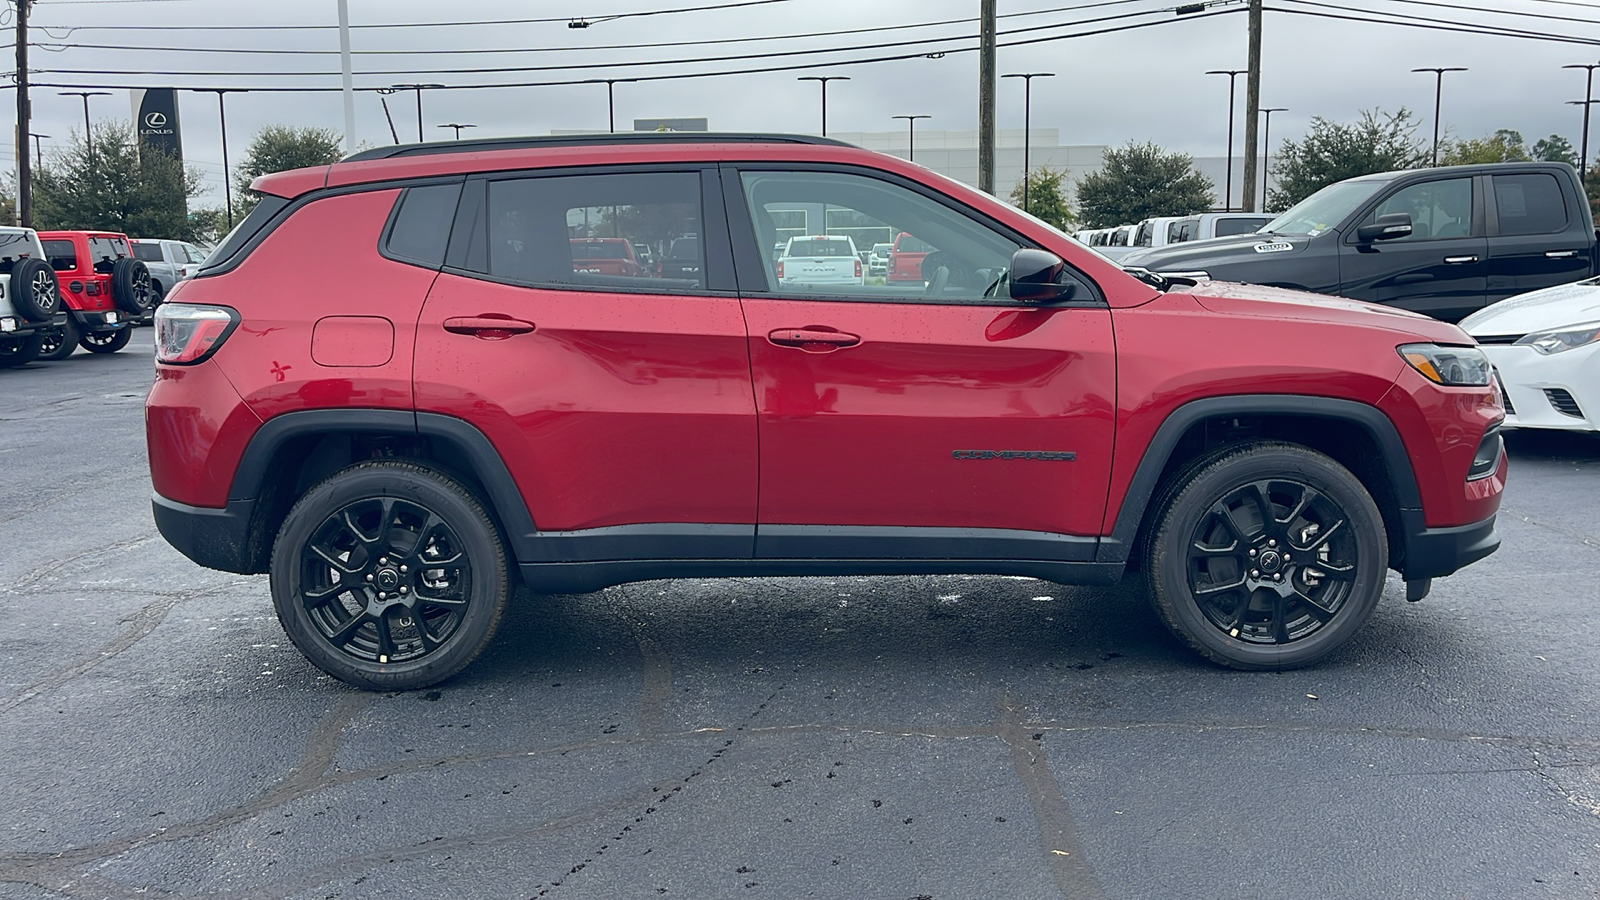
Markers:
point(753, 279)
point(468, 258)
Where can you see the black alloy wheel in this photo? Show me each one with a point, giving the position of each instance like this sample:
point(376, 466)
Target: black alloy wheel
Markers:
point(106, 341)
point(1269, 556)
point(389, 576)
point(59, 343)
point(16, 352)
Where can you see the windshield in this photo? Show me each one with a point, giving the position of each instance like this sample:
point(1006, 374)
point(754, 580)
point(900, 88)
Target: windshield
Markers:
point(1324, 209)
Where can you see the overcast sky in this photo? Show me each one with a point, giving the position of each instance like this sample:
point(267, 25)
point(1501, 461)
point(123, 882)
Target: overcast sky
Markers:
point(1144, 84)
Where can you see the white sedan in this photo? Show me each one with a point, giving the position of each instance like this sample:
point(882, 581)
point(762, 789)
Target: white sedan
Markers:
point(1546, 347)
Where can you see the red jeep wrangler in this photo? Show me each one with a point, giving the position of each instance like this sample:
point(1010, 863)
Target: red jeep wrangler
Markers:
point(458, 403)
point(105, 289)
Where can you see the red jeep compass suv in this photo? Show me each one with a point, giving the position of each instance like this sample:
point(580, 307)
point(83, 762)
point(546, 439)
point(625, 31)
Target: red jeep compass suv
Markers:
point(462, 400)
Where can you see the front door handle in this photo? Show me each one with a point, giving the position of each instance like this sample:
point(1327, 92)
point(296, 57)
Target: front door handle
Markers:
point(1560, 254)
point(1460, 260)
point(490, 327)
point(808, 338)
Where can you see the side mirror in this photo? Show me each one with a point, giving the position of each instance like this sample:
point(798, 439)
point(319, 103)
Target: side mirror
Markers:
point(1393, 225)
point(1035, 277)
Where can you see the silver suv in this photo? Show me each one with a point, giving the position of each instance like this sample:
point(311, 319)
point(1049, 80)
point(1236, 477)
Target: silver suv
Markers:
point(30, 299)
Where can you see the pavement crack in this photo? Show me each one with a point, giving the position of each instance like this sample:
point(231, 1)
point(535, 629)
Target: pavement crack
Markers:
point(38, 574)
point(1587, 540)
point(657, 690)
point(1063, 855)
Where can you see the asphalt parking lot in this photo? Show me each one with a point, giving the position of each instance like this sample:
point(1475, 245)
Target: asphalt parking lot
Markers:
point(929, 737)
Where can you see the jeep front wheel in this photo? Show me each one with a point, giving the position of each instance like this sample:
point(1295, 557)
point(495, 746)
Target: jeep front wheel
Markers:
point(105, 341)
point(60, 342)
point(1268, 556)
point(389, 576)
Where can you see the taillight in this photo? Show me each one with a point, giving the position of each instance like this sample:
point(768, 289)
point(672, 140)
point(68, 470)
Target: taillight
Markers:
point(858, 268)
point(780, 268)
point(188, 333)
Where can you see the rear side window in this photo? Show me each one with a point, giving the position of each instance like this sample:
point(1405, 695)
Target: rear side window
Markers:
point(1530, 204)
point(535, 223)
point(421, 228)
point(63, 255)
point(14, 247)
point(147, 252)
point(1240, 226)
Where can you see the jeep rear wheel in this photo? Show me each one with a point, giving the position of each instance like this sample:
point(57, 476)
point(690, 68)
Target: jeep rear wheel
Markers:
point(389, 576)
point(105, 341)
point(20, 351)
point(60, 342)
point(1269, 556)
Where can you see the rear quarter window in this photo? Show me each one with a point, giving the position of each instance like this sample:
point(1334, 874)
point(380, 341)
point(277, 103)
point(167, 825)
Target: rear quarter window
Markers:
point(421, 228)
point(62, 254)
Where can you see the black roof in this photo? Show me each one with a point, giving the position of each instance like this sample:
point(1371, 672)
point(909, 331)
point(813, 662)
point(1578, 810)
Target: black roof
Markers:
point(582, 140)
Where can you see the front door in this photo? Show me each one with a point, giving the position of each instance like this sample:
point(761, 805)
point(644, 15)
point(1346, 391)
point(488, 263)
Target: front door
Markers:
point(925, 418)
point(1440, 269)
point(619, 399)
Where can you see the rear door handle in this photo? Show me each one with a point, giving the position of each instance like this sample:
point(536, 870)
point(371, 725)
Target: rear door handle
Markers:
point(1459, 260)
point(491, 327)
point(1560, 254)
point(803, 337)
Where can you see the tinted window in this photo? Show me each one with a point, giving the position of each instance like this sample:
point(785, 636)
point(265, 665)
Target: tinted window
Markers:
point(1438, 209)
point(964, 260)
point(63, 255)
point(534, 223)
point(147, 252)
point(104, 252)
point(1530, 204)
point(1240, 226)
point(247, 228)
point(14, 246)
point(422, 225)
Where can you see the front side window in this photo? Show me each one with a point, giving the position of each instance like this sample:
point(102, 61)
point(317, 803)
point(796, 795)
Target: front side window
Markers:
point(936, 252)
point(1530, 204)
point(1438, 209)
point(579, 231)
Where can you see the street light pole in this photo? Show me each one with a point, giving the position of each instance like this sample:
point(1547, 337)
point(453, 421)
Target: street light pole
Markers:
point(38, 149)
point(1027, 125)
point(222, 118)
point(823, 80)
point(911, 135)
point(457, 128)
point(1438, 95)
point(1227, 190)
point(419, 88)
point(611, 100)
point(1588, 100)
point(86, 95)
point(1266, 150)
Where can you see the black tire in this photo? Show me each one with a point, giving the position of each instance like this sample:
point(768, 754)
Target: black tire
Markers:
point(331, 563)
point(60, 342)
point(105, 341)
point(1255, 594)
point(16, 352)
point(34, 290)
point(131, 287)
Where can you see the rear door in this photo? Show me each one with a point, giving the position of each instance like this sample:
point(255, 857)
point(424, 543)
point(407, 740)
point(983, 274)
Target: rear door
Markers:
point(1440, 269)
point(620, 403)
point(906, 420)
point(1535, 239)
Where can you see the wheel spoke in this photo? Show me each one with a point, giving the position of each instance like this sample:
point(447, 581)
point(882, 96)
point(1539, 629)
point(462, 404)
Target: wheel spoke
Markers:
point(1332, 572)
point(326, 556)
point(1321, 613)
point(1214, 589)
point(323, 595)
point(385, 639)
point(1320, 538)
point(1203, 550)
point(1280, 619)
point(1229, 522)
point(1307, 496)
point(429, 642)
point(348, 629)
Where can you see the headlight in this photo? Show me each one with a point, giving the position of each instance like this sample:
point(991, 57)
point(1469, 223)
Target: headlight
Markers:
point(1454, 366)
point(1548, 342)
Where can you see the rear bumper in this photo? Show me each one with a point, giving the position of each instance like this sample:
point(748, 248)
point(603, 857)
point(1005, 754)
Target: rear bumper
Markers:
point(1436, 552)
point(214, 538)
point(102, 320)
point(17, 326)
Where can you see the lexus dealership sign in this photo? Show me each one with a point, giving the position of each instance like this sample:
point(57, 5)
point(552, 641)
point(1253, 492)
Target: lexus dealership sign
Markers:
point(155, 112)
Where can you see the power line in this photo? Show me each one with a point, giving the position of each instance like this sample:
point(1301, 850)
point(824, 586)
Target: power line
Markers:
point(678, 76)
point(1499, 12)
point(1431, 24)
point(56, 46)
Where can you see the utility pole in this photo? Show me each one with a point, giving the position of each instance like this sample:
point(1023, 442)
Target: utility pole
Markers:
point(24, 174)
point(986, 30)
point(1252, 102)
point(347, 80)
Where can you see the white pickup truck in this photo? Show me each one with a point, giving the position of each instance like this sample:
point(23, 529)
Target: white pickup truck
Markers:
point(819, 259)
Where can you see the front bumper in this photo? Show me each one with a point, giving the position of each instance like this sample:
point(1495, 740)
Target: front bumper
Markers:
point(1558, 391)
point(102, 321)
point(1436, 552)
point(214, 538)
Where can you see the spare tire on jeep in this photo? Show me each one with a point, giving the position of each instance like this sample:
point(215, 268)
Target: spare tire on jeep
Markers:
point(34, 291)
point(131, 287)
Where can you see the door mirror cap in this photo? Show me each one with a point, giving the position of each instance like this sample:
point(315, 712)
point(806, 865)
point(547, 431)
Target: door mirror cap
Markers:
point(1387, 227)
point(1035, 277)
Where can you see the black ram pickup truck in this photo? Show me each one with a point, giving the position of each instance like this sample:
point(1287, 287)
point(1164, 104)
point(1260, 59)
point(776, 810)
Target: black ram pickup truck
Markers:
point(1444, 241)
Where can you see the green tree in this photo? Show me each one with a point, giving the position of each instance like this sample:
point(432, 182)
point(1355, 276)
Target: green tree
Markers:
point(1138, 181)
point(1046, 197)
point(1505, 145)
point(108, 184)
point(279, 148)
point(1555, 148)
point(1334, 151)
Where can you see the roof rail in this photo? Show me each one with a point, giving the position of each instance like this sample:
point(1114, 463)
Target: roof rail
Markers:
point(580, 140)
